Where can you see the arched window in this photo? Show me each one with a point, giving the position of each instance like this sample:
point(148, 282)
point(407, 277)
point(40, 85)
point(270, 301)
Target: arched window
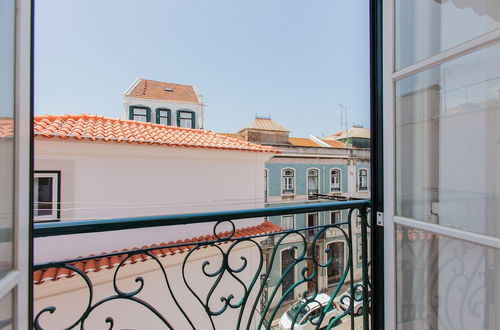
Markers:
point(288, 181)
point(363, 180)
point(312, 181)
point(335, 180)
point(139, 113)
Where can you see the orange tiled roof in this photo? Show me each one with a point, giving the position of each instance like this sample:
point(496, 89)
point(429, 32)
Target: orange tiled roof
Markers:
point(303, 142)
point(96, 263)
point(334, 136)
point(98, 128)
point(158, 90)
point(266, 124)
point(6, 127)
point(334, 143)
point(233, 135)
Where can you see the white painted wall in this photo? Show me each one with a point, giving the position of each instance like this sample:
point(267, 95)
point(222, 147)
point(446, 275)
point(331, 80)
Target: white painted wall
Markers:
point(109, 180)
point(174, 106)
point(70, 295)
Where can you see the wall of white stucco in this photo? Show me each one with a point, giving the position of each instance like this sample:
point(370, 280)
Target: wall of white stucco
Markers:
point(109, 180)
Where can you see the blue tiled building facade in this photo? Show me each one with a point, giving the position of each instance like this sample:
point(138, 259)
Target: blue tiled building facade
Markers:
point(311, 170)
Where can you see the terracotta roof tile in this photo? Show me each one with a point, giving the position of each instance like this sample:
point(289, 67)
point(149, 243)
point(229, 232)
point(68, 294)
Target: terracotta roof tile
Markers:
point(266, 124)
point(99, 128)
point(334, 143)
point(6, 127)
point(96, 263)
point(158, 90)
point(302, 142)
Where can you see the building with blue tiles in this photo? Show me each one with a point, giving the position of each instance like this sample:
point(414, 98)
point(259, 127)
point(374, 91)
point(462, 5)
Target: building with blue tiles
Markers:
point(313, 170)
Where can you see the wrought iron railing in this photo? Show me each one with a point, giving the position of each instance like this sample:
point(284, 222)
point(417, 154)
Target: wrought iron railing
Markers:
point(280, 277)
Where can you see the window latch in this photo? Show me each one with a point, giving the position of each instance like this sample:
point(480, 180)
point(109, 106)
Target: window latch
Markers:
point(380, 219)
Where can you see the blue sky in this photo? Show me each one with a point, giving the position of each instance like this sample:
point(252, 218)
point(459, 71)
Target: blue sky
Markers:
point(291, 59)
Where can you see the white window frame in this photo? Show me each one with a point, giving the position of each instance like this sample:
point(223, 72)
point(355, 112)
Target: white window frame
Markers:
point(290, 216)
point(17, 280)
point(332, 189)
point(307, 179)
point(55, 215)
point(283, 184)
point(335, 212)
point(367, 187)
point(390, 77)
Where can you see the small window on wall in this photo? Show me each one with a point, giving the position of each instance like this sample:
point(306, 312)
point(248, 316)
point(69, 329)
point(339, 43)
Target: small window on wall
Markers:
point(363, 180)
point(138, 113)
point(46, 196)
point(335, 217)
point(163, 116)
point(186, 119)
point(312, 182)
point(335, 180)
point(288, 181)
point(287, 222)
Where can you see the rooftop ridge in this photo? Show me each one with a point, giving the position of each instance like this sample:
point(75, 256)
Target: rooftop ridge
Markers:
point(97, 127)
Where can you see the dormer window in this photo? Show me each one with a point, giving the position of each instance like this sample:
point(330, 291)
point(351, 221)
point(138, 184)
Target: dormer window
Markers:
point(163, 116)
point(168, 89)
point(186, 118)
point(139, 113)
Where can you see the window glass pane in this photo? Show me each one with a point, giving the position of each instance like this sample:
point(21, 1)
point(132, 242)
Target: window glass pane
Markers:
point(443, 283)
point(140, 112)
point(44, 196)
point(186, 119)
point(6, 133)
point(447, 143)
point(427, 27)
point(6, 312)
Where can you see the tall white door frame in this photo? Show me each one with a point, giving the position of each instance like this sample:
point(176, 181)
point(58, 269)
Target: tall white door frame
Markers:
point(16, 281)
point(390, 77)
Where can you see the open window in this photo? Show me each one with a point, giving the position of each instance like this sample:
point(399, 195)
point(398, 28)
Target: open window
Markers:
point(335, 180)
point(46, 186)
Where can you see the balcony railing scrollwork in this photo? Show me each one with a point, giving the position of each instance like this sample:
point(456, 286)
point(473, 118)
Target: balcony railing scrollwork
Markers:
point(229, 279)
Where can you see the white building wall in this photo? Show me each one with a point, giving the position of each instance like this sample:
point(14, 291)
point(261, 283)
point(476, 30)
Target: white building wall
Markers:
point(70, 295)
point(108, 180)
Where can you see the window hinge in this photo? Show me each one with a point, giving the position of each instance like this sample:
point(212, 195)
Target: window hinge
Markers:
point(380, 219)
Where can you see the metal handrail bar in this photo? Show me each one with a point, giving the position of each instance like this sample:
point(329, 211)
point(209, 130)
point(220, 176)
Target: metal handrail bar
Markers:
point(93, 226)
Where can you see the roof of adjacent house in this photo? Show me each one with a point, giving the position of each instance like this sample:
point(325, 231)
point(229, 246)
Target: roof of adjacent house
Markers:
point(333, 136)
point(158, 90)
point(6, 127)
point(334, 143)
point(353, 132)
point(95, 263)
point(302, 142)
point(266, 124)
point(99, 128)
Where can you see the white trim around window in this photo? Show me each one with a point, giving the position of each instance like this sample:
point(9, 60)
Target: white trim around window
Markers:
point(360, 184)
point(332, 186)
point(337, 214)
point(288, 181)
point(318, 180)
point(288, 222)
point(46, 194)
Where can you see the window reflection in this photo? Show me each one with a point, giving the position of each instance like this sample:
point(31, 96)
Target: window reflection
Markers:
point(427, 27)
point(448, 143)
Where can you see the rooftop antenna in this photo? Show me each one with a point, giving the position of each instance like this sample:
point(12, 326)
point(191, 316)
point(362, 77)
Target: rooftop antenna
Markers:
point(343, 118)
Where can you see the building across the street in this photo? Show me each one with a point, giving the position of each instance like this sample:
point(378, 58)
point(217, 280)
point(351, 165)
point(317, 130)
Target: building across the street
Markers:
point(312, 170)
